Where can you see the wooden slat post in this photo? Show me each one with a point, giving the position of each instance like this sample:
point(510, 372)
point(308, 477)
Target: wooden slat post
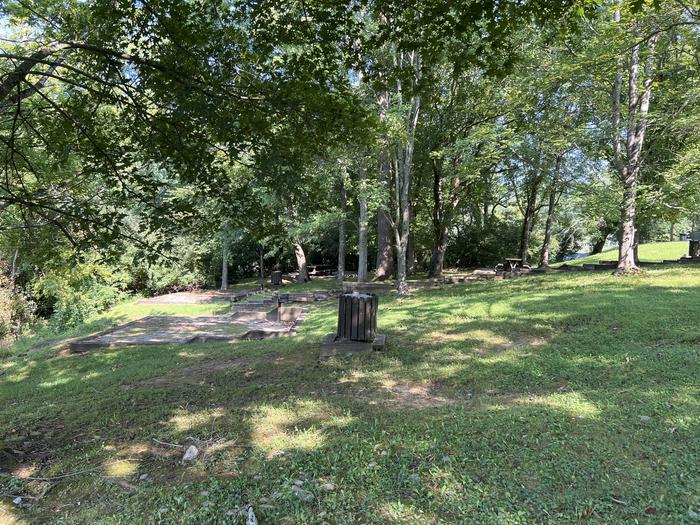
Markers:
point(357, 317)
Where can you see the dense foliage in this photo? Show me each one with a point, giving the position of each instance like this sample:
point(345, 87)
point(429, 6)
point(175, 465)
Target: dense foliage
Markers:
point(148, 145)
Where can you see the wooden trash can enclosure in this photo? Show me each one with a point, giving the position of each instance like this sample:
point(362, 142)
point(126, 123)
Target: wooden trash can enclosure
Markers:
point(357, 326)
point(694, 249)
point(276, 278)
point(357, 317)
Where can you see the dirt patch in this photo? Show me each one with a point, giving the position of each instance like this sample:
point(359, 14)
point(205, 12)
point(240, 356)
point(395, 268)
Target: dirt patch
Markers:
point(195, 374)
point(415, 395)
point(198, 297)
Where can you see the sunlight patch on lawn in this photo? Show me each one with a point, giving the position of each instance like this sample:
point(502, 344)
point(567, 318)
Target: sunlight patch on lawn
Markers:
point(572, 403)
point(399, 512)
point(122, 468)
point(20, 374)
point(297, 425)
point(479, 337)
point(7, 516)
point(187, 421)
point(56, 382)
point(192, 355)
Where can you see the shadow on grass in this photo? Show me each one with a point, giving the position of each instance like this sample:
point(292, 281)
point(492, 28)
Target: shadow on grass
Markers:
point(536, 389)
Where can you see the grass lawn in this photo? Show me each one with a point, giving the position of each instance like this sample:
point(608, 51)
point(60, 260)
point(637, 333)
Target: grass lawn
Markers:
point(551, 399)
point(649, 252)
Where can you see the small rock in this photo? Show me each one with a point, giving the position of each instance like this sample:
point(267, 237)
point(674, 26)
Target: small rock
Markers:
point(302, 494)
point(204, 493)
point(644, 419)
point(143, 477)
point(17, 501)
point(298, 482)
point(328, 487)
point(252, 520)
point(257, 477)
point(162, 510)
point(276, 495)
point(694, 515)
point(372, 464)
point(190, 454)
point(446, 459)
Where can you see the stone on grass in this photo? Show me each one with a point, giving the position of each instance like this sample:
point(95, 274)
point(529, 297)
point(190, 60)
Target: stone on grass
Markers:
point(644, 419)
point(694, 515)
point(328, 487)
point(252, 520)
point(190, 454)
point(302, 494)
point(372, 464)
point(298, 482)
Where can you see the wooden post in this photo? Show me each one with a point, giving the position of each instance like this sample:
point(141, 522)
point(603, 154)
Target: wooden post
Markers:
point(357, 317)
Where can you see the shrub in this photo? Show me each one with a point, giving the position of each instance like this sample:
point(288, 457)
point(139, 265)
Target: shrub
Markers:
point(16, 311)
point(77, 293)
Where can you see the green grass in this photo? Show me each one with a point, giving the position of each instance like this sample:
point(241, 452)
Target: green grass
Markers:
point(650, 252)
point(495, 402)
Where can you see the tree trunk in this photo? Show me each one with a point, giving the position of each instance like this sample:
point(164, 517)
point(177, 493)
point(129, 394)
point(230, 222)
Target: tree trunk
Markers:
point(362, 233)
point(403, 168)
point(262, 264)
point(638, 110)
point(340, 276)
point(437, 259)
point(301, 263)
point(671, 232)
point(546, 245)
point(443, 213)
point(605, 230)
point(303, 275)
point(411, 254)
point(385, 255)
point(528, 221)
point(224, 263)
point(13, 272)
point(599, 245)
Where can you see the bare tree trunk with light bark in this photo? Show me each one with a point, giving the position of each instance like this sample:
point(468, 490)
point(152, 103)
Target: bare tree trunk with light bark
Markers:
point(546, 244)
point(629, 169)
point(362, 229)
point(403, 164)
point(340, 276)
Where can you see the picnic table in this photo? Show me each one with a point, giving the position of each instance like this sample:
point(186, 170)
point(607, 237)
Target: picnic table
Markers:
point(321, 269)
point(510, 264)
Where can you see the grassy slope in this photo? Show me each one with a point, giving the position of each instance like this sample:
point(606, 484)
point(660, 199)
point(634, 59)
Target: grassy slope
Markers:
point(507, 402)
point(651, 252)
point(122, 313)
